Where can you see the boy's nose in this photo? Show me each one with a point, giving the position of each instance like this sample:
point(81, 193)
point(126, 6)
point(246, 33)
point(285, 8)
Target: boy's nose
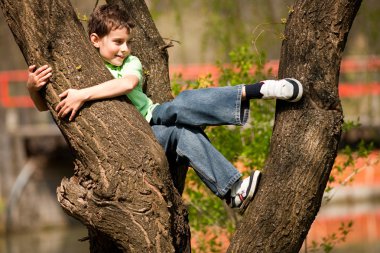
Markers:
point(124, 47)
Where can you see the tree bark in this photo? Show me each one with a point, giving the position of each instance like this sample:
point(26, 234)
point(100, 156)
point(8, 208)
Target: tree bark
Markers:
point(121, 188)
point(150, 48)
point(306, 134)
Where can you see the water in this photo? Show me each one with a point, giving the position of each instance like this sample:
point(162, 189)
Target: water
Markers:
point(373, 247)
point(65, 240)
point(364, 237)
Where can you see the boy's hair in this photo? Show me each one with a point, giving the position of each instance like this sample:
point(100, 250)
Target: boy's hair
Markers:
point(108, 17)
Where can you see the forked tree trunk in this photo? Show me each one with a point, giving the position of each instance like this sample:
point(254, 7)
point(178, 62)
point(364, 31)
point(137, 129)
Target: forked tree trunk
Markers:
point(306, 134)
point(121, 188)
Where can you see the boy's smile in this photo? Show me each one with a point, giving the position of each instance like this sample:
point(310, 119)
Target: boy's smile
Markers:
point(113, 47)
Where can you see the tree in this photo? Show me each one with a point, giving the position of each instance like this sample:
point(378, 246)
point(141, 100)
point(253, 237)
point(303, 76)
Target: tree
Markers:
point(122, 189)
point(306, 135)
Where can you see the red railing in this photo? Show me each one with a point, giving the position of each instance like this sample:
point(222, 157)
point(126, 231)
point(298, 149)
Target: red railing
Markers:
point(6, 99)
point(193, 72)
point(351, 65)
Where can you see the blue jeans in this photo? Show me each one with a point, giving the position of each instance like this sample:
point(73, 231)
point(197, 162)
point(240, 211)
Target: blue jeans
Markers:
point(177, 126)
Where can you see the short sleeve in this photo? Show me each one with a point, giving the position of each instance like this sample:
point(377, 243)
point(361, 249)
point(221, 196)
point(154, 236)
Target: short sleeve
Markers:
point(133, 66)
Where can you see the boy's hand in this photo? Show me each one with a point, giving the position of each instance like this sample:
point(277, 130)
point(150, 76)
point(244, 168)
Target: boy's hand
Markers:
point(72, 101)
point(38, 78)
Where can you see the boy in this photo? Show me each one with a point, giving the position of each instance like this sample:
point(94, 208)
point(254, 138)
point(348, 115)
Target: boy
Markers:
point(176, 124)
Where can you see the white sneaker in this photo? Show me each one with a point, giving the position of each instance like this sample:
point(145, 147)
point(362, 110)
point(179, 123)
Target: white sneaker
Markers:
point(242, 192)
point(288, 89)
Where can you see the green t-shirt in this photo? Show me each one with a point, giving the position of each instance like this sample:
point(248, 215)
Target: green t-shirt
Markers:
point(132, 66)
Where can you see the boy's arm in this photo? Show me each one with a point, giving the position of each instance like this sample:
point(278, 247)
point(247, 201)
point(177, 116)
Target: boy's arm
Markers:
point(38, 101)
point(37, 78)
point(73, 99)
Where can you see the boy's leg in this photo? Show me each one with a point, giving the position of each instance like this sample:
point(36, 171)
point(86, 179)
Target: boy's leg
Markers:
point(223, 105)
point(220, 176)
point(192, 144)
point(201, 107)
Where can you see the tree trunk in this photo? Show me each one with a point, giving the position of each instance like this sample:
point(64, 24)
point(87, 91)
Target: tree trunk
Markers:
point(306, 134)
point(121, 188)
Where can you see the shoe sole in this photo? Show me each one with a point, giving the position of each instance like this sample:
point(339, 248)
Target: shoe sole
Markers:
point(252, 186)
point(298, 90)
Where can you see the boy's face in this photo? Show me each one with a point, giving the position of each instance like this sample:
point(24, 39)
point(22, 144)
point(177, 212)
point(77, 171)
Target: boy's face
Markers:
point(113, 47)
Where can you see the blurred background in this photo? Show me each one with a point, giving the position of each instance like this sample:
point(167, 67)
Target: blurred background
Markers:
point(34, 156)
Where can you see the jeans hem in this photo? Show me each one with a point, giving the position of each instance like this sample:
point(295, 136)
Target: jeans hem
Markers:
point(241, 108)
point(222, 192)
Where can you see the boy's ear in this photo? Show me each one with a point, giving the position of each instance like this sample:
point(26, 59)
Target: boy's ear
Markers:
point(95, 40)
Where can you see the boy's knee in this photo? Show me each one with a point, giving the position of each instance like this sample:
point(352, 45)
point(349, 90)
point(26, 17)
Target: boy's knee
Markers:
point(193, 134)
